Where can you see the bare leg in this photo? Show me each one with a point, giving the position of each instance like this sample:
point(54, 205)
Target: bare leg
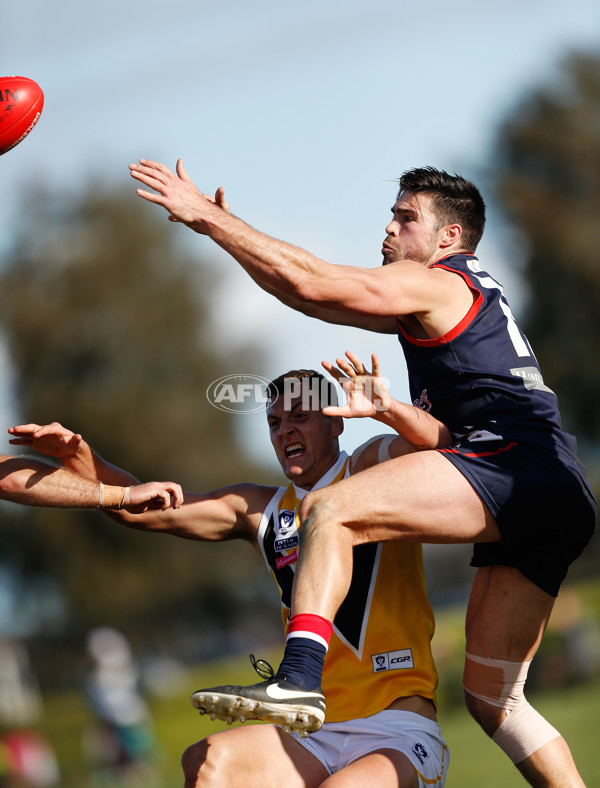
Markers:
point(419, 497)
point(506, 619)
point(255, 756)
point(383, 768)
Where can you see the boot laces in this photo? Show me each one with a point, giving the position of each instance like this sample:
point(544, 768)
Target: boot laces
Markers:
point(262, 667)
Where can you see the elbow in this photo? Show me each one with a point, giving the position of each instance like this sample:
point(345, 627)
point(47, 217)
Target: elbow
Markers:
point(15, 477)
point(10, 486)
point(311, 286)
point(306, 291)
point(444, 437)
point(147, 521)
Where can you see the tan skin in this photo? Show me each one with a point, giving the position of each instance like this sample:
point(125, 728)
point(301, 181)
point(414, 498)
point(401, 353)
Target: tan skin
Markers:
point(306, 446)
point(33, 483)
point(395, 500)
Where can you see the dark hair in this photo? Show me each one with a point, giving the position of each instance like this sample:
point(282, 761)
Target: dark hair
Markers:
point(454, 200)
point(324, 390)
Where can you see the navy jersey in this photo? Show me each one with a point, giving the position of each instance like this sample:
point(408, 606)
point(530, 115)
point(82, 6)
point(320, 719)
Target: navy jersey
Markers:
point(482, 376)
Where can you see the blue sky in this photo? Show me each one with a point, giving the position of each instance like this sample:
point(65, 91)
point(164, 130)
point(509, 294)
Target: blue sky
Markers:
point(304, 112)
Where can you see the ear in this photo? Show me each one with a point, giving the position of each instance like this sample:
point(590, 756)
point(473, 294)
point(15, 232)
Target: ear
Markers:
point(450, 235)
point(338, 426)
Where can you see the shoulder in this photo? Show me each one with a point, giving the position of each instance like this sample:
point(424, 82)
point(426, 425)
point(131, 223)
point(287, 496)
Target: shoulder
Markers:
point(372, 452)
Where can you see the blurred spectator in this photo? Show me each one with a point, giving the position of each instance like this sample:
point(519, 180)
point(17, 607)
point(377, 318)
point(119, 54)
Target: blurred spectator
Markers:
point(26, 758)
point(122, 743)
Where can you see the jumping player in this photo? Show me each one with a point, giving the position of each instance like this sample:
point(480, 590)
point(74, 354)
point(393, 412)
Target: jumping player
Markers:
point(379, 676)
point(509, 481)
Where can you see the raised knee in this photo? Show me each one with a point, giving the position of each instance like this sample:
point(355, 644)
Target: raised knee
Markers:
point(312, 509)
point(308, 505)
point(191, 760)
point(205, 764)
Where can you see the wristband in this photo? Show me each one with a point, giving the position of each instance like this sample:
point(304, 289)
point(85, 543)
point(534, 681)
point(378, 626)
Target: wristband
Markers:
point(111, 497)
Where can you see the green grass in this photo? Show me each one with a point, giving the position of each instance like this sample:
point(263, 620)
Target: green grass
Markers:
point(475, 761)
point(177, 725)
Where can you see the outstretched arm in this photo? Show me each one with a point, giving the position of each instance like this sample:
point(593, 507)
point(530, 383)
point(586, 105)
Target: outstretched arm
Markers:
point(335, 293)
point(35, 483)
point(367, 396)
point(228, 513)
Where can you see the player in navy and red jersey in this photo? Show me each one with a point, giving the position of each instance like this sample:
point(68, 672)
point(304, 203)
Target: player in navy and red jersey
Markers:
point(509, 481)
point(451, 374)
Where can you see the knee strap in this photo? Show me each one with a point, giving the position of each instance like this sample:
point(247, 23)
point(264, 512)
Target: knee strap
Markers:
point(500, 683)
point(495, 681)
point(523, 732)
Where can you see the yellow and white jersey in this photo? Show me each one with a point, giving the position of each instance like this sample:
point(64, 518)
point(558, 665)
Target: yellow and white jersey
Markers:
point(381, 644)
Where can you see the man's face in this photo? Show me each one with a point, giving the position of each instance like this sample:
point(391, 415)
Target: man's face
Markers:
point(305, 441)
point(412, 234)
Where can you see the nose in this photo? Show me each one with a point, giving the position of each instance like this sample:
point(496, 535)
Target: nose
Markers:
point(392, 228)
point(285, 427)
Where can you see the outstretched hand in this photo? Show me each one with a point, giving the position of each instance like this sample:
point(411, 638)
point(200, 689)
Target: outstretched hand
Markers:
point(53, 440)
point(153, 495)
point(366, 392)
point(177, 193)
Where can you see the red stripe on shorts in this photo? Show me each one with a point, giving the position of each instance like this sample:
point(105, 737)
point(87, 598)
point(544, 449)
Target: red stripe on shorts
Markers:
point(481, 453)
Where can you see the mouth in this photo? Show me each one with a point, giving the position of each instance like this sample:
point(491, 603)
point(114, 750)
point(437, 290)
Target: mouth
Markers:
point(294, 450)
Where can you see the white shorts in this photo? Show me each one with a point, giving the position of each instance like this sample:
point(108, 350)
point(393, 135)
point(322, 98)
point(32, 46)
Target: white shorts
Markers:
point(417, 737)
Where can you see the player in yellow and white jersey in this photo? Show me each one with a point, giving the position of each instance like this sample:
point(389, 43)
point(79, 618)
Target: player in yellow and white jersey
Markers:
point(380, 647)
point(379, 677)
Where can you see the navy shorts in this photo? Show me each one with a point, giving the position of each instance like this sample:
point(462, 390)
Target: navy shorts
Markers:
point(544, 507)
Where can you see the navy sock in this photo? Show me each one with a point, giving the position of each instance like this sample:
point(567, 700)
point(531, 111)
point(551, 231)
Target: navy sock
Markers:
point(302, 662)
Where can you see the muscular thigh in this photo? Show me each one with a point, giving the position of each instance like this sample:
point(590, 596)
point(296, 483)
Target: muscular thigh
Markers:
point(251, 756)
point(418, 497)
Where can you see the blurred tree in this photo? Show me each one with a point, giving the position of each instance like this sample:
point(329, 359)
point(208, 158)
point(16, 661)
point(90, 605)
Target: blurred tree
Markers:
point(107, 323)
point(548, 171)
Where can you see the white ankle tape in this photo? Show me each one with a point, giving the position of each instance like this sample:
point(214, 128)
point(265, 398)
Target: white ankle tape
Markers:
point(500, 683)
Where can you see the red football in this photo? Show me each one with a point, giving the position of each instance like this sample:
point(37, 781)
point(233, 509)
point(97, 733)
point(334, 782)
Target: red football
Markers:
point(21, 102)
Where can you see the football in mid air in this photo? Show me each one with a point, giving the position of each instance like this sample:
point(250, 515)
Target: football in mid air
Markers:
point(21, 102)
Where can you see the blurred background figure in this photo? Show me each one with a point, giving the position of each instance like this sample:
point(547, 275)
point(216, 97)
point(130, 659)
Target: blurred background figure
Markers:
point(27, 759)
point(121, 744)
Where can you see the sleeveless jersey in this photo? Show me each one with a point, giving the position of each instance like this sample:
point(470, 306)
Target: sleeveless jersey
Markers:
point(380, 649)
point(482, 376)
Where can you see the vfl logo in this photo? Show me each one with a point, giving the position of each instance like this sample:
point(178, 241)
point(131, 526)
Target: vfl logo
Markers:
point(420, 751)
point(422, 402)
point(286, 531)
point(393, 660)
